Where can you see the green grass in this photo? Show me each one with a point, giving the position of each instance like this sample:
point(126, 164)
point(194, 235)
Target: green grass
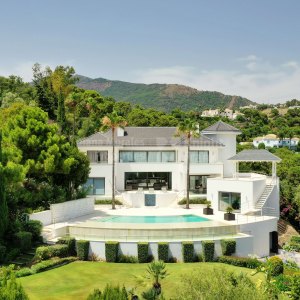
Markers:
point(78, 279)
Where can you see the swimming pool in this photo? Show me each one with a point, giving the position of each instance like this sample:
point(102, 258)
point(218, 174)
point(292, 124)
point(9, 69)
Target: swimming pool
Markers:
point(153, 219)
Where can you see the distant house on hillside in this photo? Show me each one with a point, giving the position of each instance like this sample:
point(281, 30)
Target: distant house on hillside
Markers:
point(271, 140)
point(229, 113)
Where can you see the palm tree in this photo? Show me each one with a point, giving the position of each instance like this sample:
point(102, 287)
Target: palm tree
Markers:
point(187, 129)
point(112, 122)
point(157, 271)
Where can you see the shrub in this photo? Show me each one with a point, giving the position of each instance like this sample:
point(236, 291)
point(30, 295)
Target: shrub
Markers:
point(188, 251)
point(128, 259)
point(193, 201)
point(23, 240)
point(46, 252)
point(10, 289)
point(24, 272)
point(70, 242)
point(51, 263)
point(282, 283)
point(172, 260)
point(94, 257)
point(82, 249)
point(111, 251)
point(295, 287)
point(109, 292)
point(163, 251)
point(107, 201)
point(59, 250)
point(246, 262)
point(2, 253)
point(12, 254)
point(275, 265)
point(35, 227)
point(295, 239)
point(218, 283)
point(42, 252)
point(228, 247)
point(208, 250)
point(142, 249)
point(292, 246)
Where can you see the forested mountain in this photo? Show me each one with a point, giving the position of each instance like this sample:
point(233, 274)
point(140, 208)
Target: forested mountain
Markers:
point(165, 97)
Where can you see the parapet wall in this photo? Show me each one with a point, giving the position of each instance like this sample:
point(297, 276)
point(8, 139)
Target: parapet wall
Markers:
point(62, 212)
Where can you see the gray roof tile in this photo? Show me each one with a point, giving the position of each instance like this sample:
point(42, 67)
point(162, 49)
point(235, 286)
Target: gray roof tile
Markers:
point(221, 127)
point(255, 155)
point(145, 136)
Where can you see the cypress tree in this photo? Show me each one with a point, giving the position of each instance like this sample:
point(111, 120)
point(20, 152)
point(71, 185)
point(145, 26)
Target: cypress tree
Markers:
point(3, 203)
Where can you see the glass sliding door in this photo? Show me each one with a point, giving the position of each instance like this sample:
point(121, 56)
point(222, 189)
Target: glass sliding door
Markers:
point(96, 186)
point(198, 184)
point(146, 180)
point(229, 199)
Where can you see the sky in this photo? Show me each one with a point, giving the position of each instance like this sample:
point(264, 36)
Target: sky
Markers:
point(246, 48)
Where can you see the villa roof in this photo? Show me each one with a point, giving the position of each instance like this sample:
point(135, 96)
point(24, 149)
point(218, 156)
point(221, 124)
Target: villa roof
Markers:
point(255, 155)
point(145, 136)
point(221, 127)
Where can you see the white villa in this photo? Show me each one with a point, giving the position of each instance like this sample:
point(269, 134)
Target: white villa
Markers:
point(150, 179)
point(153, 159)
point(271, 140)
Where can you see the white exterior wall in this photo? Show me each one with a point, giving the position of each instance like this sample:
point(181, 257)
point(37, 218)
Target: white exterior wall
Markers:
point(229, 141)
point(245, 245)
point(178, 168)
point(250, 190)
point(44, 216)
point(260, 231)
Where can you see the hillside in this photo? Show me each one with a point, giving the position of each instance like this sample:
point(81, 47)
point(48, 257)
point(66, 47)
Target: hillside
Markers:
point(162, 96)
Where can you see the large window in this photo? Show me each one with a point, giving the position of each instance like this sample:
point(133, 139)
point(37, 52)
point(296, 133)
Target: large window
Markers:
point(199, 157)
point(96, 186)
point(198, 184)
point(147, 156)
point(229, 199)
point(97, 156)
point(146, 180)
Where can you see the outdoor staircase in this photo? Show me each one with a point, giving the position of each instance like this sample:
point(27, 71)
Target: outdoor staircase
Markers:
point(264, 197)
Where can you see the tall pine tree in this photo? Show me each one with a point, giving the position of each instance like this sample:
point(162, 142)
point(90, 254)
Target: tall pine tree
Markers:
point(3, 203)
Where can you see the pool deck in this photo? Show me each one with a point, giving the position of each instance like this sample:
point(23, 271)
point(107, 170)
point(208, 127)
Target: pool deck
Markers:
point(102, 211)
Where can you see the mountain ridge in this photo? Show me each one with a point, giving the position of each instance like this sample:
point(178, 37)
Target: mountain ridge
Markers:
point(164, 97)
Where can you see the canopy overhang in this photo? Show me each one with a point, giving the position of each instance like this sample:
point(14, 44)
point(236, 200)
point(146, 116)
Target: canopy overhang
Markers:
point(258, 155)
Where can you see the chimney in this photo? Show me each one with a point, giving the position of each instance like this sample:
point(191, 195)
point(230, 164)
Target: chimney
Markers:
point(120, 131)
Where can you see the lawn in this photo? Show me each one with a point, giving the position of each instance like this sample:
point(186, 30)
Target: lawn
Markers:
point(76, 280)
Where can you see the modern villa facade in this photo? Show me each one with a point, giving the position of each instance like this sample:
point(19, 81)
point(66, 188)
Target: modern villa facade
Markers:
point(150, 168)
point(155, 159)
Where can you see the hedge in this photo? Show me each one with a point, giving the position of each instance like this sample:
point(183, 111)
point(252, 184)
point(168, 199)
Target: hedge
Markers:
point(70, 242)
point(35, 227)
point(193, 201)
point(46, 252)
point(246, 262)
point(2, 253)
point(188, 251)
point(208, 250)
point(295, 239)
point(275, 265)
point(163, 251)
point(111, 251)
point(142, 249)
point(23, 240)
point(228, 247)
point(82, 249)
point(44, 266)
point(127, 259)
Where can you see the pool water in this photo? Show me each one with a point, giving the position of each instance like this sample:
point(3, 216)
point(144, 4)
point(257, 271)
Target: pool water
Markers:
point(153, 219)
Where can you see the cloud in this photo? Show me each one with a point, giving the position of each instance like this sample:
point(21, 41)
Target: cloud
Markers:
point(254, 79)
